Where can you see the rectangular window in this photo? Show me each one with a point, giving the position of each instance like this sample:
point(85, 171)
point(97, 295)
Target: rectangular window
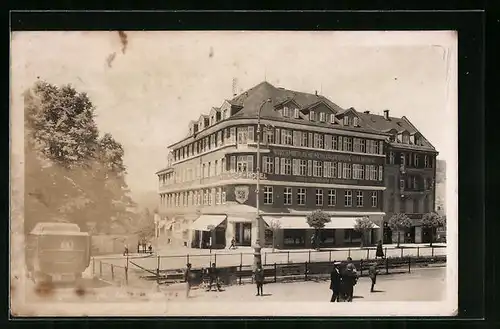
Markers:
point(303, 167)
point(296, 113)
point(288, 166)
point(269, 133)
point(332, 198)
point(268, 164)
point(381, 147)
point(312, 115)
point(268, 195)
point(348, 198)
point(391, 157)
point(286, 137)
point(328, 142)
point(380, 173)
point(339, 169)
point(295, 167)
point(322, 116)
point(340, 143)
point(286, 111)
point(348, 144)
point(317, 169)
point(251, 134)
point(242, 164)
point(327, 165)
point(309, 168)
point(426, 161)
point(332, 118)
point(296, 138)
point(416, 159)
point(223, 165)
point(216, 167)
point(277, 135)
point(301, 196)
point(242, 135)
point(310, 140)
point(218, 196)
point(287, 196)
point(250, 163)
point(277, 165)
point(223, 197)
point(232, 134)
point(302, 138)
point(347, 173)
point(335, 144)
point(319, 197)
point(359, 198)
point(346, 120)
point(356, 145)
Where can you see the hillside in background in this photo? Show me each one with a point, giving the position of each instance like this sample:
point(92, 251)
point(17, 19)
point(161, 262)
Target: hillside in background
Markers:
point(441, 186)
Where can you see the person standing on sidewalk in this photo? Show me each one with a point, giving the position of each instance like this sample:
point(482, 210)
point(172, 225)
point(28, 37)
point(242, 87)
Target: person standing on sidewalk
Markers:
point(372, 272)
point(259, 279)
point(380, 251)
point(213, 274)
point(188, 278)
point(350, 277)
point(335, 280)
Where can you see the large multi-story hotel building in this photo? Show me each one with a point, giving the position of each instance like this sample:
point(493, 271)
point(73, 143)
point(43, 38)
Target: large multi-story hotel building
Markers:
point(314, 155)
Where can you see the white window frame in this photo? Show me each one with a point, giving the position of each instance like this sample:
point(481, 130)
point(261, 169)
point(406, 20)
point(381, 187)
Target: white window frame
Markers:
point(359, 199)
point(332, 118)
point(286, 137)
point(241, 163)
point(322, 116)
point(347, 171)
point(312, 116)
point(286, 111)
point(296, 113)
point(301, 196)
point(317, 168)
point(287, 196)
point(288, 166)
point(346, 120)
point(268, 195)
point(302, 167)
point(319, 197)
point(348, 198)
point(332, 197)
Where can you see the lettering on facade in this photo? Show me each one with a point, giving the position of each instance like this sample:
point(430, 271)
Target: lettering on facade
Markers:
point(324, 156)
point(241, 175)
point(241, 193)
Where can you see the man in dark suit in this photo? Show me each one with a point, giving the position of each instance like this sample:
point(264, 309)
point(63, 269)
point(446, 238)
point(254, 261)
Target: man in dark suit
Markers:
point(213, 274)
point(372, 272)
point(350, 277)
point(335, 282)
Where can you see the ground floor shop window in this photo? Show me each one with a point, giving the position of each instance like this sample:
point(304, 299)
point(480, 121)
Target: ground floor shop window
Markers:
point(294, 238)
point(427, 234)
point(352, 236)
point(243, 234)
point(327, 237)
point(268, 238)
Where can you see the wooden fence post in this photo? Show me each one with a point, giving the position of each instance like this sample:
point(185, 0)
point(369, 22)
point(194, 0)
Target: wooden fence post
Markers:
point(241, 259)
point(418, 251)
point(187, 259)
point(402, 248)
point(112, 273)
point(367, 253)
point(309, 256)
point(349, 252)
point(385, 254)
point(215, 258)
point(306, 270)
point(126, 275)
point(361, 267)
point(275, 272)
point(409, 264)
point(432, 249)
point(288, 257)
point(241, 268)
point(330, 256)
point(386, 265)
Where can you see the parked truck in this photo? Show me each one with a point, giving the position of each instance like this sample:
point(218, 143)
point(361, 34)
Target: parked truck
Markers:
point(57, 252)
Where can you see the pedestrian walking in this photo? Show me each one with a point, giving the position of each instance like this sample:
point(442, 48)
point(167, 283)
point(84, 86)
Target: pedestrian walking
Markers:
point(372, 272)
point(213, 274)
point(380, 251)
point(335, 281)
point(188, 278)
point(233, 244)
point(259, 279)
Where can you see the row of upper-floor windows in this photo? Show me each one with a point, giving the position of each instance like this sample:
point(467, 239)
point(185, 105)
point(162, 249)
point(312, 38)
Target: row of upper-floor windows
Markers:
point(411, 159)
point(278, 166)
point(202, 197)
point(318, 116)
point(298, 196)
point(278, 136)
point(416, 205)
point(412, 183)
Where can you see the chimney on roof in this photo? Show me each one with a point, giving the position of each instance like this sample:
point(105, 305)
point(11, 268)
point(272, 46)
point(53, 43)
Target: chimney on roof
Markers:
point(386, 114)
point(367, 112)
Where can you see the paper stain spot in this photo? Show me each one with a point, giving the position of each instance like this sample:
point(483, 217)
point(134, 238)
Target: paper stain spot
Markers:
point(211, 52)
point(44, 289)
point(80, 291)
point(110, 59)
point(124, 40)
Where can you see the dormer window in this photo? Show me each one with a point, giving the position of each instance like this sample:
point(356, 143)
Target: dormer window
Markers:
point(356, 123)
point(400, 138)
point(296, 113)
point(332, 118)
point(224, 114)
point(322, 117)
point(346, 120)
point(406, 139)
point(312, 116)
point(412, 139)
point(286, 111)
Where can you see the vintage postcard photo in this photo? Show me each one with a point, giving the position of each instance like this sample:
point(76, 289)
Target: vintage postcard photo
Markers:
point(234, 173)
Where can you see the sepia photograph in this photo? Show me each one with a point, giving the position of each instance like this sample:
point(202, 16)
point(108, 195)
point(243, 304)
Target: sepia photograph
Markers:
point(234, 173)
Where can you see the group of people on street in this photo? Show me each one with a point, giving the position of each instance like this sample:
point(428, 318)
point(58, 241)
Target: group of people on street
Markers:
point(212, 275)
point(344, 277)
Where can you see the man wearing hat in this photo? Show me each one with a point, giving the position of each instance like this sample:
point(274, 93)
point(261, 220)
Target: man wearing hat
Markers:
point(335, 282)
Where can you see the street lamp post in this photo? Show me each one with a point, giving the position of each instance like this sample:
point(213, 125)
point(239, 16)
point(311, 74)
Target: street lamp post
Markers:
point(258, 244)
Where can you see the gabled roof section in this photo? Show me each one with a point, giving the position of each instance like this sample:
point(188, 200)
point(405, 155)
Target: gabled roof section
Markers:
point(349, 110)
point(417, 132)
point(322, 102)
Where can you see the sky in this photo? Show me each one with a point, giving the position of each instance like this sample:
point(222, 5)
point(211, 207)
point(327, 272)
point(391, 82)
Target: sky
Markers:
point(147, 86)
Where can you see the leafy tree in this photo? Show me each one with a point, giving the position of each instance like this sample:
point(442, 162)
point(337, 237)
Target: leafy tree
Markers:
point(70, 173)
point(145, 229)
point(433, 220)
point(317, 220)
point(363, 225)
point(399, 222)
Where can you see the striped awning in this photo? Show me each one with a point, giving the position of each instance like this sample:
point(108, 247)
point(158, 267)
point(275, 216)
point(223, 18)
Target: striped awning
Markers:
point(207, 222)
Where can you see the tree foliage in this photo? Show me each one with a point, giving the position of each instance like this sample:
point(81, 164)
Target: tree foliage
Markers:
point(433, 220)
point(399, 222)
point(317, 219)
point(363, 225)
point(70, 173)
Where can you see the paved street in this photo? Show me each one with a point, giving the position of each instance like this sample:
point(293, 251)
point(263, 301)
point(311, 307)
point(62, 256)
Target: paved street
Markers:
point(202, 258)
